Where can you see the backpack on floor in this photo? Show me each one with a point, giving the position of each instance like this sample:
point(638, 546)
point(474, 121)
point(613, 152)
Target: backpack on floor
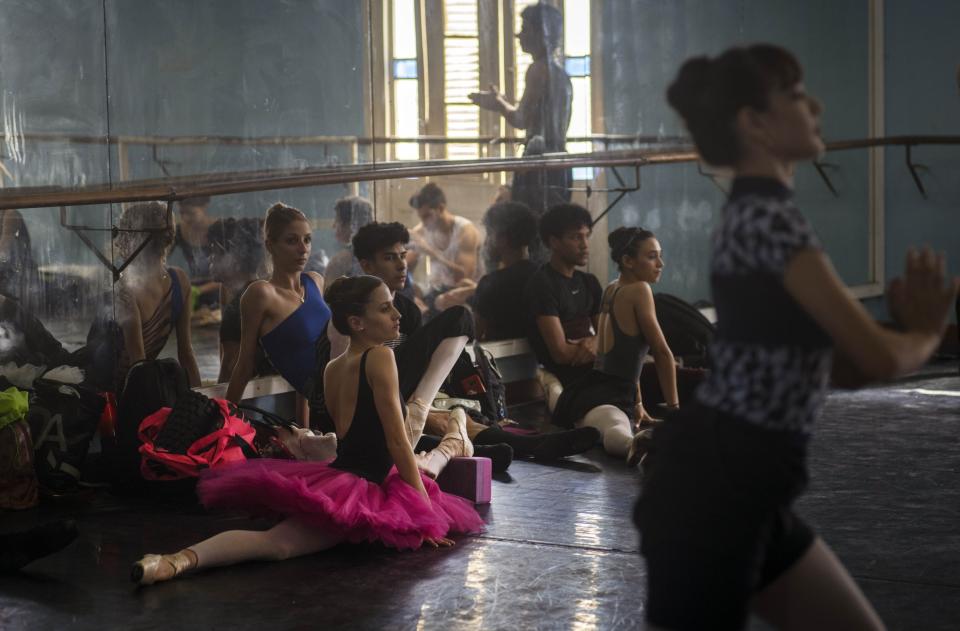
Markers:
point(63, 419)
point(687, 331)
point(150, 385)
point(479, 380)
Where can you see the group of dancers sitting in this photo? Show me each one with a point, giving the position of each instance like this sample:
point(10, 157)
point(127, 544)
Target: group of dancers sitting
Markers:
point(718, 529)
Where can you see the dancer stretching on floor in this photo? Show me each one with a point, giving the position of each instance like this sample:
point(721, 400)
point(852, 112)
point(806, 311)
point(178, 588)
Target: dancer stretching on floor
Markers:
point(285, 314)
point(608, 397)
point(373, 491)
point(716, 515)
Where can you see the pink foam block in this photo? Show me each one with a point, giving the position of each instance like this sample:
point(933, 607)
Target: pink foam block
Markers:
point(467, 477)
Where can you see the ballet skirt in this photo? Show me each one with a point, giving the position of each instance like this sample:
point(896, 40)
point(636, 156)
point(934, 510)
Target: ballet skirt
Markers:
point(360, 494)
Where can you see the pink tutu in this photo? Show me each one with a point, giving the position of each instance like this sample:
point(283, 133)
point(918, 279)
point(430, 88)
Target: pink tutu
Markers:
point(393, 513)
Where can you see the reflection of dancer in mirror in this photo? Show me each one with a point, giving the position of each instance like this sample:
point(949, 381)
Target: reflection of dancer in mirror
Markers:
point(544, 109)
point(452, 242)
point(608, 397)
point(190, 240)
point(719, 532)
point(371, 492)
point(236, 253)
point(350, 214)
point(152, 299)
point(19, 277)
point(285, 314)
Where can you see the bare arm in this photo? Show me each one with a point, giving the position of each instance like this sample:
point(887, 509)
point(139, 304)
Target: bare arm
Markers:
point(184, 345)
point(645, 311)
point(921, 302)
point(251, 317)
point(561, 350)
point(382, 375)
point(515, 114)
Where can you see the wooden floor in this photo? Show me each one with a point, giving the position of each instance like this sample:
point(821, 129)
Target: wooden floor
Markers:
point(560, 551)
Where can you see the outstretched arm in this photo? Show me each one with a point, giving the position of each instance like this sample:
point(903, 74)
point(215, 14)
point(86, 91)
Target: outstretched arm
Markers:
point(920, 301)
point(516, 114)
point(382, 375)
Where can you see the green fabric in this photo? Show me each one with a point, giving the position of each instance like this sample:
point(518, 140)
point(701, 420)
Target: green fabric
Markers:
point(13, 406)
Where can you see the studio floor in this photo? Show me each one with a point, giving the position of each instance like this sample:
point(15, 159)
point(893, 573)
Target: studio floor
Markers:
point(560, 551)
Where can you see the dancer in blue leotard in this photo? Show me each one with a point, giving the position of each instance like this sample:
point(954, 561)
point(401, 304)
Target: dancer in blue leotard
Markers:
point(285, 314)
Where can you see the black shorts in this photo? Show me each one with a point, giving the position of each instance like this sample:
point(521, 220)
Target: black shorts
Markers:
point(716, 518)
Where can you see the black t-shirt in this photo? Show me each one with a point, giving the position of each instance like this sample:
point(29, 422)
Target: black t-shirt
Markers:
point(575, 301)
point(499, 300)
point(230, 332)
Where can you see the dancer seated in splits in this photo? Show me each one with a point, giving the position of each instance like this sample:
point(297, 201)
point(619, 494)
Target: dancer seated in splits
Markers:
point(381, 250)
point(373, 491)
point(236, 254)
point(563, 303)
point(609, 397)
point(284, 315)
point(152, 301)
point(718, 529)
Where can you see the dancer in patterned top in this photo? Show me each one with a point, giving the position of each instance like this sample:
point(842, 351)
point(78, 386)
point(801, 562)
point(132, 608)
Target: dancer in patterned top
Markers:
point(718, 529)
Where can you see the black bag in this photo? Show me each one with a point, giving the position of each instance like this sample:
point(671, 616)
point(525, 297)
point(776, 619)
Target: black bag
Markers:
point(687, 331)
point(192, 417)
point(151, 385)
point(63, 419)
point(479, 380)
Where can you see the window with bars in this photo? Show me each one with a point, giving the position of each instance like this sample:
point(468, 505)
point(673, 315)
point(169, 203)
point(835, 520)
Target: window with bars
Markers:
point(461, 50)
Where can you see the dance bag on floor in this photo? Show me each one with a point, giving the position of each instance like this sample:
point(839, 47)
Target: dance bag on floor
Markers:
point(479, 380)
point(150, 385)
point(63, 419)
point(687, 331)
point(229, 439)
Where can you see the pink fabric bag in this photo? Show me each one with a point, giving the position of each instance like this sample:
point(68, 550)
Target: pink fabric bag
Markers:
point(231, 442)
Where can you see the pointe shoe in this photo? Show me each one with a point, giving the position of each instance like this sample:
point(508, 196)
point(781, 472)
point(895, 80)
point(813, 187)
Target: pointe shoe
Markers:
point(455, 444)
point(302, 444)
point(154, 568)
point(415, 419)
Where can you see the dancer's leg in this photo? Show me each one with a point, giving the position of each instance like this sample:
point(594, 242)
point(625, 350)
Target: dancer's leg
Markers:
point(552, 388)
point(615, 427)
point(290, 538)
point(816, 593)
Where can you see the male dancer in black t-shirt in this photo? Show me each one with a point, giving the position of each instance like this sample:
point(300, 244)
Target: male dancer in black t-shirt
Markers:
point(510, 227)
point(381, 250)
point(562, 302)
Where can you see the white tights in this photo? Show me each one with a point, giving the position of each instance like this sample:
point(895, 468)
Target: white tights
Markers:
point(441, 363)
point(615, 427)
point(290, 538)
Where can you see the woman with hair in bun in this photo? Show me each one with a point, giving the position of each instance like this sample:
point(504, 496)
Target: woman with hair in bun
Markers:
point(373, 491)
point(608, 397)
point(716, 515)
point(152, 301)
point(285, 314)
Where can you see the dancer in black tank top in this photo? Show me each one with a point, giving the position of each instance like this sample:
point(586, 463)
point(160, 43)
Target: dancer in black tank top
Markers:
point(718, 529)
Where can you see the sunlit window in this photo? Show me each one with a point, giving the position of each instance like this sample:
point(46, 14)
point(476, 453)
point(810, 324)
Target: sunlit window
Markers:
point(406, 82)
point(461, 75)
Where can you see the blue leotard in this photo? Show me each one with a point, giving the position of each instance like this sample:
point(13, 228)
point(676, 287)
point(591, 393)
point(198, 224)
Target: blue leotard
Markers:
point(291, 345)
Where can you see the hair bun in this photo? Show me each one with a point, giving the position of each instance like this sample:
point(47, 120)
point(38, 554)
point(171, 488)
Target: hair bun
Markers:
point(689, 91)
